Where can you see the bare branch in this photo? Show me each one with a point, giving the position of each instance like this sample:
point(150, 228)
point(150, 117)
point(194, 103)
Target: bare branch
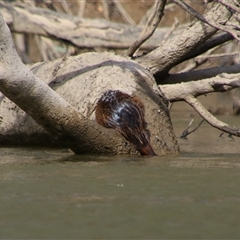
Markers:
point(150, 27)
point(229, 5)
point(160, 60)
point(213, 121)
point(186, 132)
point(213, 42)
point(123, 12)
point(220, 83)
point(203, 19)
point(191, 11)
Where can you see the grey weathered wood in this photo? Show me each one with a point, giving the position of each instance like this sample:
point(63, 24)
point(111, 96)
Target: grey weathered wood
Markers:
point(68, 112)
point(82, 32)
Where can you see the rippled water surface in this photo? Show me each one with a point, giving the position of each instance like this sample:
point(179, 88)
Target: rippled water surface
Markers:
point(47, 193)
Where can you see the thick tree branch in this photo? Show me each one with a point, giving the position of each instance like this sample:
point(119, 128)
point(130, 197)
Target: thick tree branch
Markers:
point(214, 41)
point(167, 55)
point(46, 107)
point(209, 45)
point(221, 83)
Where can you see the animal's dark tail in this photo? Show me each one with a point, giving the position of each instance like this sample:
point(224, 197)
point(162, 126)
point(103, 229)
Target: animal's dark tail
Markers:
point(146, 150)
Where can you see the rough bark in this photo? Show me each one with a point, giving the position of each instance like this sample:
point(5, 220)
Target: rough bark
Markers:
point(220, 83)
point(47, 108)
point(81, 32)
point(80, 81)
point(170, 53)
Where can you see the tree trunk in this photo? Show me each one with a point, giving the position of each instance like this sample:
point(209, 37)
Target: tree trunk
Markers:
point(68, 112)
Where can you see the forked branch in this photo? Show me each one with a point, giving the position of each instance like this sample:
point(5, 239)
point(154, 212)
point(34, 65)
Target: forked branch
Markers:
point(213, 121)
point(175, 50)
point(229, 28)
point(221, 83)
point(186, 132)
point(188, 92)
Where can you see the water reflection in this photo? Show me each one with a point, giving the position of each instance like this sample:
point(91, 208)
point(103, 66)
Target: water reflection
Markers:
point(51, 193)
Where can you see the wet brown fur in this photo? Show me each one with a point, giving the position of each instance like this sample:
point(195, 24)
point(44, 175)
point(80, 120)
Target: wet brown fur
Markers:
point(125, 114)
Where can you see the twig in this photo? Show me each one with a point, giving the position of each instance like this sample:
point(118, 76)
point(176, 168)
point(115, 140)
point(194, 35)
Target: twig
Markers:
point(229, 135)
point(123, 12)
point(150, 27)
point(213, 121)
point(191, 11)
point(199, 60)
point(151, 10)
point(65, 7)
point(213, 42)
point(163, 58)
point(186, 132)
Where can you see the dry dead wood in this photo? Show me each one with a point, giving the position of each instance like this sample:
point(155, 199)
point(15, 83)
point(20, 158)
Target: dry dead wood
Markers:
point(188, 91)
point(81, 80)
point(149, 29)
point(80, 32)
point(200, 36)
point(172, 52)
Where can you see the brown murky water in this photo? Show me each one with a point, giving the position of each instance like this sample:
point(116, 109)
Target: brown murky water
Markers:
point(52, 194)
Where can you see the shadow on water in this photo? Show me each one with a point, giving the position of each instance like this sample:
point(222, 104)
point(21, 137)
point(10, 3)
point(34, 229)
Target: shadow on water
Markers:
point(51, 193)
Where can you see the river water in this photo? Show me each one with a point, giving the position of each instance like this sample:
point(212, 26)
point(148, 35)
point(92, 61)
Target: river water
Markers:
point(53, 194)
